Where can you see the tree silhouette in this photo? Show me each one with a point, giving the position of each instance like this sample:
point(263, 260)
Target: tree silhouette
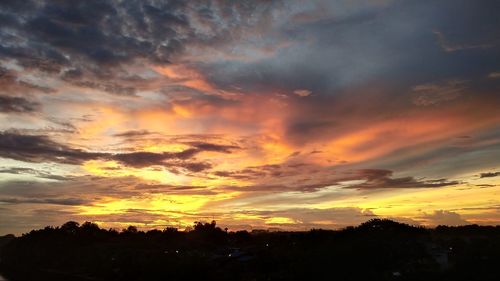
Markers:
point(377, 249)
point(70, 227)
point(130, 230)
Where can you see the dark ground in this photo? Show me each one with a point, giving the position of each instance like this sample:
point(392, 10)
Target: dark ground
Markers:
point(375, 250)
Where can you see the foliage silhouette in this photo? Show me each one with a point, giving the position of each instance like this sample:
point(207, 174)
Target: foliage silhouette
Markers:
point(377, 249)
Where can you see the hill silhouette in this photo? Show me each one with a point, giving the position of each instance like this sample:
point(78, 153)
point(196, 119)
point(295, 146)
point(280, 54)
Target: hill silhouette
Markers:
point(375, 250)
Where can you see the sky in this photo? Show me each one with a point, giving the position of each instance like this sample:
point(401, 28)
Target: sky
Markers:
point(285, 115)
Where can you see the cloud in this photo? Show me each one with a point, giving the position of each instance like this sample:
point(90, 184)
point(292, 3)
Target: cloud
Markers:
point(10, 104)
point(109, 87)
point(37, 148)
point(310, 178)
point(87, 188)
point(443, 217)
point(489, 174)
point(30, 171)
point(12, 84)
point(145, 159)
point(174, 189)
point(256, 47)
point(330, 53)
point(61, 29)
point(450, 47)
point(379, 178)
point(302, 93)
point(133, 133)
point(204, 146)
point(195, 166)
point(18, 221)
point(58, 201)
point(280, 172)
point(92, 40)
point(437, 93)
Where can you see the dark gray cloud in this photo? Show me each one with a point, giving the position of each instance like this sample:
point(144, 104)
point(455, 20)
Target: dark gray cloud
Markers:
point(489, 174)
point(11, 85)
point(193, 166)
point(104, 32)
point(270, 171)
point(87, 188)
point(133, 133)
point(380, 178)
point(396, 41)
point(10, 104)
point(205, 146)
point(56, 201)
point(88, 41)
point(30, 171)
point(174, 189)
point(309, 178)
point(144, 159)
point(109, 87)
point(36, 148)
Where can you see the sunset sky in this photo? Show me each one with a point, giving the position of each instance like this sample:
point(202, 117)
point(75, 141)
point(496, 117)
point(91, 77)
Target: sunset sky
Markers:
point(259, 114)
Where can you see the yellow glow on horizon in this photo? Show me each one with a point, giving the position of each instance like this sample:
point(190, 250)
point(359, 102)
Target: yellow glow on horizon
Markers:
point(154, 203)
point(279, 220)
point(416, 202)
point(163, 147)
point(173, 206)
